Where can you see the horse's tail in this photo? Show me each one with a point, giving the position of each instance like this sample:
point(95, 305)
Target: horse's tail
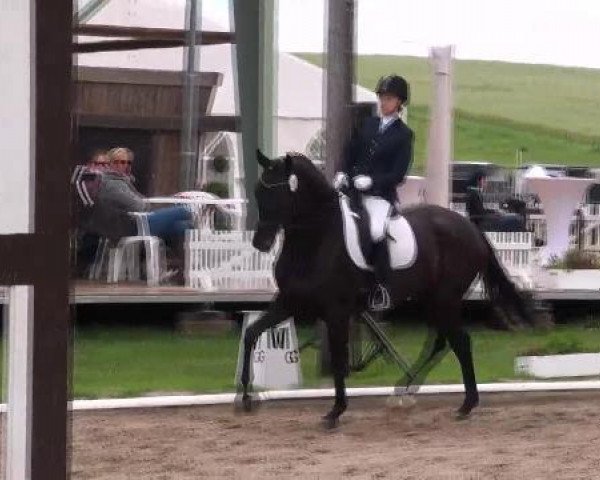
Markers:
point(504, 294)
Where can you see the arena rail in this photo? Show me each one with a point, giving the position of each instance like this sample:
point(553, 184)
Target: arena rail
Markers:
point(325, 393)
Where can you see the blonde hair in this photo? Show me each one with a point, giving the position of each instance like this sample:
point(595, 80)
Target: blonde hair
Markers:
point(112, 153)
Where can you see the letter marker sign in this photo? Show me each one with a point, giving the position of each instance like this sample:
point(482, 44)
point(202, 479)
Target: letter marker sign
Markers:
point(275, 361)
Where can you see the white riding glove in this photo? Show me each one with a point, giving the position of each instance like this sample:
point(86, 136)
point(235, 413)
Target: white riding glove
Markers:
point(362, 182)
point(340, 180)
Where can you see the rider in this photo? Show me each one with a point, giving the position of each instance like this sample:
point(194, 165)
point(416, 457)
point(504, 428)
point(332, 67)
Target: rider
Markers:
point(377, 160)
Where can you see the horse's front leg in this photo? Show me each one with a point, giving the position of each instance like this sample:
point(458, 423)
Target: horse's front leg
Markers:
point(337, 333)
point(274, 315)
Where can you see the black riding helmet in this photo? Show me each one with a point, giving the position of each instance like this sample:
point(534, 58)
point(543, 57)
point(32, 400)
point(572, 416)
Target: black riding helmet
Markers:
point(394, 85)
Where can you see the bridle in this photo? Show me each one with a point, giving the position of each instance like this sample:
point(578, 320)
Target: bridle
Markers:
point(292, 184)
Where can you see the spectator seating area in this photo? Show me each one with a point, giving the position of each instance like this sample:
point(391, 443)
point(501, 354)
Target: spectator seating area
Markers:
point(224, 260)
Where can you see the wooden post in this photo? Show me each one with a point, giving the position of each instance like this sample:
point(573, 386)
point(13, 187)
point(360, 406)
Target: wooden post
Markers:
point(340, 81)
point(36, 49)
point(338, 101)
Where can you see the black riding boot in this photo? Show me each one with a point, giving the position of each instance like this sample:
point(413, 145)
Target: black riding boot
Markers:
point(380, 297)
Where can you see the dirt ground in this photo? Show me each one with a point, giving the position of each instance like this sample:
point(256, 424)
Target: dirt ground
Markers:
point(533, 436)
point(509, 437)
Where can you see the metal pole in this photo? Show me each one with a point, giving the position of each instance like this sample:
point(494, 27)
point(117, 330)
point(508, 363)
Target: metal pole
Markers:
point(340, 79)
point(190, 168)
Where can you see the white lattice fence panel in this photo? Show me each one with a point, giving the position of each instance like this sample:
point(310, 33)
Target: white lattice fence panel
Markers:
point(514, 249)
point(224, 260)
point(516, 253)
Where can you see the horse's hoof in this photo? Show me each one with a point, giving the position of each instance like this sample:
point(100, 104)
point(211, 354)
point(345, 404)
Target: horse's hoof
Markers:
point(465, 410)
point(247, 403)
point(241, 404)
point(330, 422)
point(400, 401)
point(462, 415)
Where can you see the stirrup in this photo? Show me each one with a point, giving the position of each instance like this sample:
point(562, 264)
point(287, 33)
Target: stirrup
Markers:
point(379, 299)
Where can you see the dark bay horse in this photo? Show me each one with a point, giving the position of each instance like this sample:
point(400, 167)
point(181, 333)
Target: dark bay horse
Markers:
point(316, 277)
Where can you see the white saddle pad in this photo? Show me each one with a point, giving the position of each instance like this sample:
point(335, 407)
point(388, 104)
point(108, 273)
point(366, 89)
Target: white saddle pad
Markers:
point(401, 242)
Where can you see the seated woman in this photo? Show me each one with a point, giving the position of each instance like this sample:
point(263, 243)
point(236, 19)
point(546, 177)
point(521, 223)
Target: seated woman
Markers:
point(85, 182)
point(487, 219)
point(117, 198)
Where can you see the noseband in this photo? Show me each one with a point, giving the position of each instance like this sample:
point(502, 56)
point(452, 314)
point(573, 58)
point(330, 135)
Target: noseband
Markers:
point(273, 185)
point(292, 183)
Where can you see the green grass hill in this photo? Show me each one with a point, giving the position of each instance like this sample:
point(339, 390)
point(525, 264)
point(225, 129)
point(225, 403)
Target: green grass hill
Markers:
point(499, 107)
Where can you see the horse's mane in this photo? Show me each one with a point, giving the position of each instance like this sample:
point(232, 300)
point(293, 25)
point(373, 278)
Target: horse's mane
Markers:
point(307, 171)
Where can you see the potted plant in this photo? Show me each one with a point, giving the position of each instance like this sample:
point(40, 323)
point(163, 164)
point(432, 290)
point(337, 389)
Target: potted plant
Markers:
point(575, 270)
point(561, 355)
point(220, 164)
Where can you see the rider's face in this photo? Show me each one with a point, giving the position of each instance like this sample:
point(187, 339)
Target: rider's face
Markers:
point(389, 104)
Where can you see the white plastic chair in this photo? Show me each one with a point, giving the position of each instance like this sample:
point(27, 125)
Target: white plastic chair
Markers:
point(101, 259)
point(125, 258)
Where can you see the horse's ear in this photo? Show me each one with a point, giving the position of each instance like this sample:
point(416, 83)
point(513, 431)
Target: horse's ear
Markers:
point(263, 160)
point(288, 163)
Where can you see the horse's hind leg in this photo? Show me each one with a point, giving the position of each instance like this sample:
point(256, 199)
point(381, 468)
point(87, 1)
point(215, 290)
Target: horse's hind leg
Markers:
point(432, 352)
point(460, 342)
point(446, 313)
point(273, 316)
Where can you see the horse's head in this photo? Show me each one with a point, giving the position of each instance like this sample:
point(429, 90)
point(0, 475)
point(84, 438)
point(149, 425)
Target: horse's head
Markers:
point(288, 192)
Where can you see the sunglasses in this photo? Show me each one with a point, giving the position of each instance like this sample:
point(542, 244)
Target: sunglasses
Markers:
point(123, 162)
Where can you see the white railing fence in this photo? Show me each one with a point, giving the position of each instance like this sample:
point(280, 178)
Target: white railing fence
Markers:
point(517, 254)
point(514, 249)
point(226, 260)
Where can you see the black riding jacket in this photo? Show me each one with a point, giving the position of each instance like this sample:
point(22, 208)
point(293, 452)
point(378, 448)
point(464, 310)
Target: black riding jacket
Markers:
point(384, 156)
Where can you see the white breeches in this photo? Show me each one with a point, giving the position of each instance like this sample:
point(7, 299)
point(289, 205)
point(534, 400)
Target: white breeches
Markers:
point(379, 211)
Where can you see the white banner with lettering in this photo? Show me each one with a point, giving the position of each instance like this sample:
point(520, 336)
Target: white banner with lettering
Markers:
point(276, 359)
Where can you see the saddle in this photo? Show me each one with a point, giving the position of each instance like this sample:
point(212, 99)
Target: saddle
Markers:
point(386, 227)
